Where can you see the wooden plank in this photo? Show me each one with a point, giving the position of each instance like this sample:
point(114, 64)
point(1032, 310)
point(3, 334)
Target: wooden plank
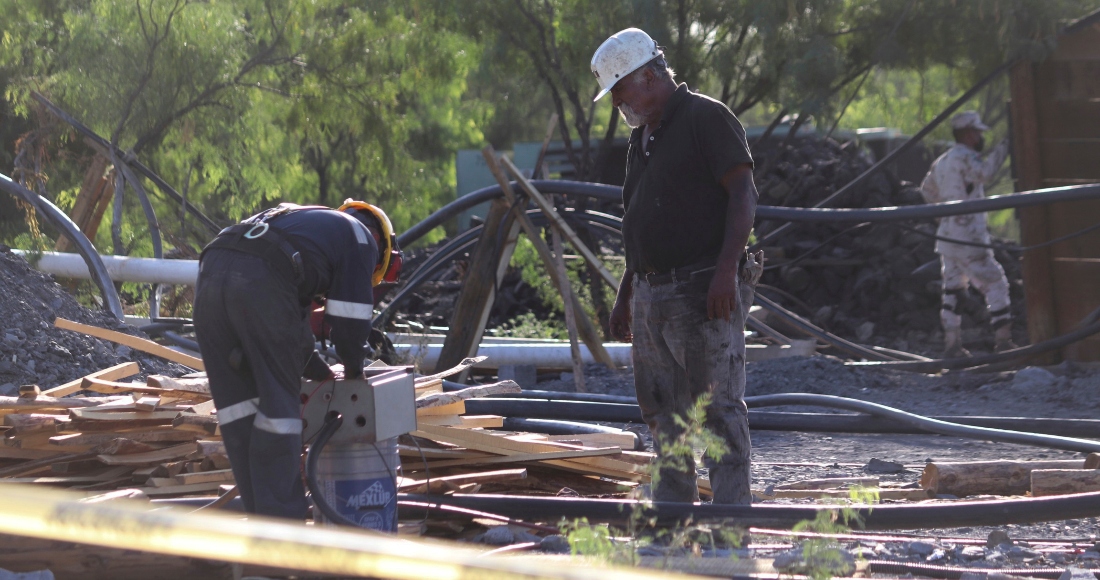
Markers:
point(110, 387)
point(181, 489)
point(158, 456)
point(146, 346)
point(44, 402)
point(621, 440)
point(504, 446)
point(521, 458)
point(147, 436)
point(198, 385)
point(1092, 461)
point(1071, 158)
point(456, 408)
point(7, 452)
point(222, 476)
point(464, 421)
point(559, 223)
point(147, 403)
point(442, 399)
point(203, 424)
point(570, 315)
point(100, 414)
point(120, 371)
point(438, 484)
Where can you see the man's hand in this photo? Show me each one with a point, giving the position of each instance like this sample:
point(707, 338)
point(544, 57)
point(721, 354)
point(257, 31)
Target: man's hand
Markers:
point(620, 321)
point(722, 297)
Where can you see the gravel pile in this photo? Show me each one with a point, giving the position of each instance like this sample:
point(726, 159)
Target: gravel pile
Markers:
point(33, 351)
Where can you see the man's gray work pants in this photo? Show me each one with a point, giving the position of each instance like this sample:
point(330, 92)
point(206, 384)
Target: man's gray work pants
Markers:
point(254, 340)
point(679, 355)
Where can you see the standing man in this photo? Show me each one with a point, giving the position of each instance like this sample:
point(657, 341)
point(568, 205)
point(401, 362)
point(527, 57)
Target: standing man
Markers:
point(961, 174)
point(690, 202)
point(256, 282)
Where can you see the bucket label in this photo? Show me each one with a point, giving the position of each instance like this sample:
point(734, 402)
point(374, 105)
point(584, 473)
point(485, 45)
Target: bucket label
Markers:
point(370, 503)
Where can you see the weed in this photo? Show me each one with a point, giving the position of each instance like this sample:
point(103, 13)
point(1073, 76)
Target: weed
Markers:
point(823, 558)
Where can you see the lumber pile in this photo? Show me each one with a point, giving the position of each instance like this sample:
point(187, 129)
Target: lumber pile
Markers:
point(160, 436)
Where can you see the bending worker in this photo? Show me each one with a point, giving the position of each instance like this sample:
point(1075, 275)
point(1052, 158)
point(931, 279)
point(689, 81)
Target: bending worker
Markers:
point(256, 282)
point(690, 202)
point(961, 174)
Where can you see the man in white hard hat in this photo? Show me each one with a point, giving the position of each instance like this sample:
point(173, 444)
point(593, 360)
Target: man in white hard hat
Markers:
point(690, 202)
point(959, 174)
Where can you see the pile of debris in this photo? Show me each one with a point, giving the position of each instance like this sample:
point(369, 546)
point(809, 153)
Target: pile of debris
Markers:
point(877, 284)
point(32, 351)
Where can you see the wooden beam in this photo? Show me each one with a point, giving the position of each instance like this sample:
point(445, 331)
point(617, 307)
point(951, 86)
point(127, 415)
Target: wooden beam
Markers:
point(570, 315)
point(987, 477)
point(149, 457)
point(588, 332)
point(133, 342)
point(522, 458)
point(121, 371)
point(487, 264)
point(442, 399)
point(464, 421)
point(438, 484)
point(557, 221)
point(1064, 481)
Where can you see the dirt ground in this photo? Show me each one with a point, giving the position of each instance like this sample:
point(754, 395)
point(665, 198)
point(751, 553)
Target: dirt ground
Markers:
point(1065, 391)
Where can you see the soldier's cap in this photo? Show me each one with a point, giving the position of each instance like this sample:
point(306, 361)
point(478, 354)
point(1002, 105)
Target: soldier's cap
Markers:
point(968, 120)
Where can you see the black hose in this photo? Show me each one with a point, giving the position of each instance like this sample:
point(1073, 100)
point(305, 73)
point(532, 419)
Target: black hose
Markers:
point(543, 409)
point(779, 516)
point(332, 424)
point(847, 423)
point(1088, 327)
point(928, 424)
point(931, 210)
point(154, 226)
point(181, 341)
point(84, 246)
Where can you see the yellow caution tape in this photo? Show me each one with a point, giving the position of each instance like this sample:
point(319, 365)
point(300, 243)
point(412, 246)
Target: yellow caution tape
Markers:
point(33, 511)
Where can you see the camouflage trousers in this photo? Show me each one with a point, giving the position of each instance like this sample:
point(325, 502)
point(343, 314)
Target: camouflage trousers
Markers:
point(963, 267)
point(680, 355)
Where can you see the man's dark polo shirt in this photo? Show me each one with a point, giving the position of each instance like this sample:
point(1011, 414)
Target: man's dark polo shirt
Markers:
point(674, 199)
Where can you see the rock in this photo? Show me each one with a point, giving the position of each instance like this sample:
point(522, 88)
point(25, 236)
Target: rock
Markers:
point(880, 466)
point(557, 544)
point(838, 560)
point(1020, 552)
point(522, 537)
point(936, 555)
point(1032, 378)
point(996, 538)
point(921, 549)
point(972, 552)
point(1090, 555)
point(865, 331)
point(498, 536)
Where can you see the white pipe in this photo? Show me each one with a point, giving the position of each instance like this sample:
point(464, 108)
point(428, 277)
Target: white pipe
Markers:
point(557, 356)
point(120, 268)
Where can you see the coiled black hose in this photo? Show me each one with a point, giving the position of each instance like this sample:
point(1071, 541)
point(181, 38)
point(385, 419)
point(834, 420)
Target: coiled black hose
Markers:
point(332, 424)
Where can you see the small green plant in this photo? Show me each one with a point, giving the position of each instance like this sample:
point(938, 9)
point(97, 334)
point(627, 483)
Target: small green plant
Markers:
point(822, 557)
point(527, 325)
point(621, 546)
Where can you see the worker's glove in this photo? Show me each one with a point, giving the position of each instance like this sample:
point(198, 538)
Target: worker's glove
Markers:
point(316, 368)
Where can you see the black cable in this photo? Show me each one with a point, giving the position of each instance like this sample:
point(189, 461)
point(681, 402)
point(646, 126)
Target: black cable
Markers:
point(332, 424)
point(1006, 247)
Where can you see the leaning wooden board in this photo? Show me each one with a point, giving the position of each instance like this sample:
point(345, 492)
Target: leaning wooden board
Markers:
point(132, 341)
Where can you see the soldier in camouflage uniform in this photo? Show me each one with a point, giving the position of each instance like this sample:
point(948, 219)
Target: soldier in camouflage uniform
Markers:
point(961, 174)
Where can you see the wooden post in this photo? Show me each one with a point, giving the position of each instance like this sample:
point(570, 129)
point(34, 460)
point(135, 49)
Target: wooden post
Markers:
point(557, 222)
point(1042, 315)
point(1064, 481)
point(487, 264)
point(86, 212)
point(587, 331)
point(570, 316)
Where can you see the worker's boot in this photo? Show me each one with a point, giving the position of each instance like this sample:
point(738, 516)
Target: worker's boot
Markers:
point(1002, 338)
point(952, 344)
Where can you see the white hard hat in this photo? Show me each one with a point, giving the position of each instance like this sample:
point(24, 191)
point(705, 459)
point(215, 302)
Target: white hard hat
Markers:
point(625, 52)
point(968, 120)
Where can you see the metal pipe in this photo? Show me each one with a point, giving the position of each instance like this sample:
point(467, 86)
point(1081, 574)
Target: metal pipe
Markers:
point(84, 246)
point(878, 517)
point(118, 268)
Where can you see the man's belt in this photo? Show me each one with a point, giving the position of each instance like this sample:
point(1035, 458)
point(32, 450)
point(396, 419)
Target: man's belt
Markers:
point(683, 274)
point(260, 239)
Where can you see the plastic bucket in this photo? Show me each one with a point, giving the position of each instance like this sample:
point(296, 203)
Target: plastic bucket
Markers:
point(358, 482)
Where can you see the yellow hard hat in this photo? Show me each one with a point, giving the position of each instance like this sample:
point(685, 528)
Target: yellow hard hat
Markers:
point(389, 239)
